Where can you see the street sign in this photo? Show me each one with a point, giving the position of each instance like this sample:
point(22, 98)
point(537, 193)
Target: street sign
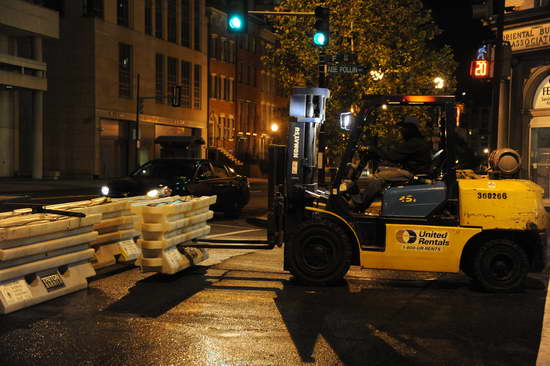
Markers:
point(341, 57)
point(345, 69)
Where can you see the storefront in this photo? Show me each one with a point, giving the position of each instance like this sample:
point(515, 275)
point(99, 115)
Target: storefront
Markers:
point(528, 93)
point(118, 146)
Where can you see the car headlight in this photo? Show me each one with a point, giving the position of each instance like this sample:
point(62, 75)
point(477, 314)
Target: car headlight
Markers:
point(105, 190)
point(159, 192)
point(153, 193)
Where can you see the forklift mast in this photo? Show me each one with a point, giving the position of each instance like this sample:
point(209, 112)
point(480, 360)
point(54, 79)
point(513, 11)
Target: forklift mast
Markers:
point(293, 167)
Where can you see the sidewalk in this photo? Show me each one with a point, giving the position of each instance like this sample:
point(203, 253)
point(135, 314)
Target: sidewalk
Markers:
point(10, 186)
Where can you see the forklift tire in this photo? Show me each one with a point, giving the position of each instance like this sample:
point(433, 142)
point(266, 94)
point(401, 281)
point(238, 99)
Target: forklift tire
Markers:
point(320, 253)
point(501, 265)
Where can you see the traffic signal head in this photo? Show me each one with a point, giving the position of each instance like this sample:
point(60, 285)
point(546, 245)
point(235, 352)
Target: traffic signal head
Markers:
point(321, 35)
point(237, 16)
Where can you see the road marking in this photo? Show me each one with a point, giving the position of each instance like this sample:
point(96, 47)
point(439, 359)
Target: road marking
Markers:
point(233, 233)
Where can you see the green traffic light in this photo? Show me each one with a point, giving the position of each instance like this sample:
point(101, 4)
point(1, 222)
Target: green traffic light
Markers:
point(235, 23)
point(320, 39)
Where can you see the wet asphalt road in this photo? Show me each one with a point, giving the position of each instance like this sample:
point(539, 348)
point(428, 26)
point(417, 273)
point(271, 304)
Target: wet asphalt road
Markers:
point(241, 308)
point(245, 310)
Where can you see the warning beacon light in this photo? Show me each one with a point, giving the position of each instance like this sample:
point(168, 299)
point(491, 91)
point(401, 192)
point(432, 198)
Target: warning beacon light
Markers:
point(346, 120)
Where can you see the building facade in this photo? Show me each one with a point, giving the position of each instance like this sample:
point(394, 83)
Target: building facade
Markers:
point(25, 27)
point(112, 53)
point(525, 98)
point(221, 83)
point(247, 108)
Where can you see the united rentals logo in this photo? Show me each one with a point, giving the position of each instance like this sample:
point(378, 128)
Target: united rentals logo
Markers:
point(406, 236)
point(422, 240)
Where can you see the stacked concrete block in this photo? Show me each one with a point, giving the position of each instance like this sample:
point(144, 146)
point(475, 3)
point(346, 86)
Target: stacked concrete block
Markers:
point(43, 256)
point(118, 230)
point(167, 226)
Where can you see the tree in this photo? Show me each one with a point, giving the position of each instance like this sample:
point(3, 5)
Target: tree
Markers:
point(390, 38)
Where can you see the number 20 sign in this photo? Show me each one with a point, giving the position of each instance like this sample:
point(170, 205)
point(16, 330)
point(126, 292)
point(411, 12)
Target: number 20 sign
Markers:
point(480, 69)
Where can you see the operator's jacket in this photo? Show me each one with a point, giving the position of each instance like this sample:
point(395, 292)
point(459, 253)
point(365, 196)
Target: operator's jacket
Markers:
point(413, 155)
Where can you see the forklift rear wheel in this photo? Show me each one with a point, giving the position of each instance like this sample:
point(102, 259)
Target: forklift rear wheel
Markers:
point(501, 265)
point(320, 253)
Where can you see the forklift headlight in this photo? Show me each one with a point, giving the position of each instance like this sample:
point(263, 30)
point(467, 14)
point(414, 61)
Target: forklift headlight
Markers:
point(346, 120)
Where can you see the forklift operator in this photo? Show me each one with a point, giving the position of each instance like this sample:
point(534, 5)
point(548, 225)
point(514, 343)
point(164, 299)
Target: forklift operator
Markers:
point(412, 157)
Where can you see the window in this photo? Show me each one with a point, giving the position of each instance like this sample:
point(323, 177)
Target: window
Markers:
point(172, 25)
point(186, 84)
point(148, 17)
point(212, 47)
point(198, 24)
point(226, 47)
point(122, 13)
point(197, 87)
point(185, 23)
point(223, 44)
point(231, 128)
point(92, 8)
point(124, 70)
point(159, 78)
point(218, 49)
point(223, 85)
point(159, 33)
point(231, 57)
point(225, 89)
point(214, 87)
point(172, 76)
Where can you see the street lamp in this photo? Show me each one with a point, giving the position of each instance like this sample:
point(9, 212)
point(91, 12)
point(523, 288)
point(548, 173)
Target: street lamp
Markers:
point(377, 75)
point(439, 82)
point(274, 127)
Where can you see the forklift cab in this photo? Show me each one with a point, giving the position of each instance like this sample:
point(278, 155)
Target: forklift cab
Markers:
point(419, 196)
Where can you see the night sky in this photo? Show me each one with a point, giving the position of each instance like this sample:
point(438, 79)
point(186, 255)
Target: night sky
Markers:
point(464, 35)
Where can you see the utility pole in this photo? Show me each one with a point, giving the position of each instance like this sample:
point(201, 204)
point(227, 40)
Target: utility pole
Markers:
point(500, 87)
point(139, 103)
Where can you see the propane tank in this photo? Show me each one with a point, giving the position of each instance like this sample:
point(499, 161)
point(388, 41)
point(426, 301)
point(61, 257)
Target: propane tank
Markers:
point(504, 163)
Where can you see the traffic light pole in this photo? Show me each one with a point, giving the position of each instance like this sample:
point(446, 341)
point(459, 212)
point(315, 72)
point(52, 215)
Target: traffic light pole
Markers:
point(322, 70)
point(500, 92)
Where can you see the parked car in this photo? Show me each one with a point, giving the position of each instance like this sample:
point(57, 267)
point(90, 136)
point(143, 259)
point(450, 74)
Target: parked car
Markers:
point(186, 176)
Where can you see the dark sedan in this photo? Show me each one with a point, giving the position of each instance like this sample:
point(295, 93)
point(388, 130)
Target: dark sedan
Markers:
point(186, 176)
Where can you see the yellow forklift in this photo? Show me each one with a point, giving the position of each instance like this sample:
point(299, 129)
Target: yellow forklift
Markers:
point(492, 227)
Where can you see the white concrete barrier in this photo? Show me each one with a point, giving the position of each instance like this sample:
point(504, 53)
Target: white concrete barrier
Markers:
point(118, 230)
point(43, 256)
point(167, 224)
